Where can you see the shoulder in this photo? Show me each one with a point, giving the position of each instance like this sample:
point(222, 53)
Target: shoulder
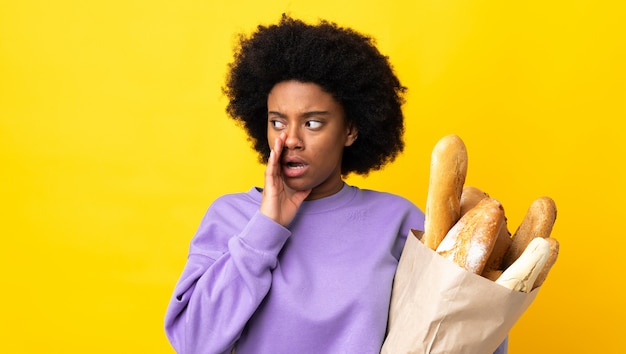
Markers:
point(226, 216)
point(385, 199)
point(237, 201)
point(233, 208)
point(390, 205)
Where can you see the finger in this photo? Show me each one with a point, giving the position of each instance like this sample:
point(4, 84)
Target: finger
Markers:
point(279, 143)
point(272, 169)
point(269, 201)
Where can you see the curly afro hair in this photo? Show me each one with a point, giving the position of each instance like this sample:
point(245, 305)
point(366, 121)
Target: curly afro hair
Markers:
point(343, 62)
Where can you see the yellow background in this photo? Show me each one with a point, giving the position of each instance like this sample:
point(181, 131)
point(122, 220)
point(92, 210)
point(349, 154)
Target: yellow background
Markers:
point(114, 140)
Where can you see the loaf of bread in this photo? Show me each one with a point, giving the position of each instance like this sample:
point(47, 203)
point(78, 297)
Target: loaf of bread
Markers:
point(448, 168)
point(471, 240)
point(538, 222)
point(469, 227)
point(503, 243)
point(554, 253)
point(470, 196)
point(491, 274)
point(522, 274)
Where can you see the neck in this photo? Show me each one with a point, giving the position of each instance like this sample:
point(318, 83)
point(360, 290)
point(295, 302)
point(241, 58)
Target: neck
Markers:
point(325, 190)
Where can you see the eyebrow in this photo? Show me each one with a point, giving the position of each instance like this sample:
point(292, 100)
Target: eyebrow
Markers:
point(306, 114)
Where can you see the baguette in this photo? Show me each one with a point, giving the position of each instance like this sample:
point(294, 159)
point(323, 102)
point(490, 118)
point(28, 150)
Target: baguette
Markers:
point(469, 198)
point(471, 240)
point(537, 222)
point(448, 169)
point(554, 253)
point(501, 247)
point(491, 274)
point(523, 273)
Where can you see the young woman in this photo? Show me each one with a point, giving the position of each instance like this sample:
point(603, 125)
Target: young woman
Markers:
point(305, 264)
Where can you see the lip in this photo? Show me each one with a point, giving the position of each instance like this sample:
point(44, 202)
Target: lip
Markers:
point(293, 167)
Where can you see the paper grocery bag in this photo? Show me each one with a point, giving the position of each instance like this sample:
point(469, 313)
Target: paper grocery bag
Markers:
point(439, 307)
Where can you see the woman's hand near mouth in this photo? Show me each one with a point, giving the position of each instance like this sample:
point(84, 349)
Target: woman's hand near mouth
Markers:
point(280, 203)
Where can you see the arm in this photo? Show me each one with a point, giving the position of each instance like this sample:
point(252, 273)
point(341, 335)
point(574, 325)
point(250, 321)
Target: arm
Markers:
point(224, 281)
point(226, 278)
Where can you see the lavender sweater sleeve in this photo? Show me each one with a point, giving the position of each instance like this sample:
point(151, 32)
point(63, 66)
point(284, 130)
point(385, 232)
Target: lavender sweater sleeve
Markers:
point(227, 275)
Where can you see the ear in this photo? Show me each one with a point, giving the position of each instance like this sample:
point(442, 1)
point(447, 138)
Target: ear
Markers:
point(353, 133)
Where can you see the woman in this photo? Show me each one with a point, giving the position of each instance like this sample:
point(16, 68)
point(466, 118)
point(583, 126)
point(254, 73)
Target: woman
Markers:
point(305, 264)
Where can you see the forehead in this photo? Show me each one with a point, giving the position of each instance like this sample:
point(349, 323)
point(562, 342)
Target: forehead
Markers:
point(300, 95)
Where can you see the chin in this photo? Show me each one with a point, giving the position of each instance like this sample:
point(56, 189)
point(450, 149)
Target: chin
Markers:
point(300, 185)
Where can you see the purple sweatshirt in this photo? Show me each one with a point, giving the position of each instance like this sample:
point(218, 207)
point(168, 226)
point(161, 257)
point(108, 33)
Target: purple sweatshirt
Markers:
point(321, 285)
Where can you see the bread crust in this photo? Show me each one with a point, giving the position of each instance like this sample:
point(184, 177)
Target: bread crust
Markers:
point(554, 253)
point(538, 222)
point(492, 275)
point(523, 273)
point(469, 198)
point(448, 169)
point(471, 240)
point(502, 245)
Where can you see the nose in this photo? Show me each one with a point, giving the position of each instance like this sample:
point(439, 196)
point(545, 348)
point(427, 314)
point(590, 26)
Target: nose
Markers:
point(293, 140)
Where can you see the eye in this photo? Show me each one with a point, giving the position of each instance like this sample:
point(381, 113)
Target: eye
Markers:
point(276, 124)
point(313, 124)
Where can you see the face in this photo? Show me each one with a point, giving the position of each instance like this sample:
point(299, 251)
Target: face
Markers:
point(316, 134)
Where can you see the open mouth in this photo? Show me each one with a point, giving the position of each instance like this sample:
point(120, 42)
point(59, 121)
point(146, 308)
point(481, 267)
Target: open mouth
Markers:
point(295, 165)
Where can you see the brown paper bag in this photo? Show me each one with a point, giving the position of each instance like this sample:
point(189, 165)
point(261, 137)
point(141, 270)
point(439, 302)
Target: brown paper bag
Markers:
point(439, 307)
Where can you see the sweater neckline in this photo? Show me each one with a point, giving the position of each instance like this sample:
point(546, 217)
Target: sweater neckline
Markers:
point(331, 202)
